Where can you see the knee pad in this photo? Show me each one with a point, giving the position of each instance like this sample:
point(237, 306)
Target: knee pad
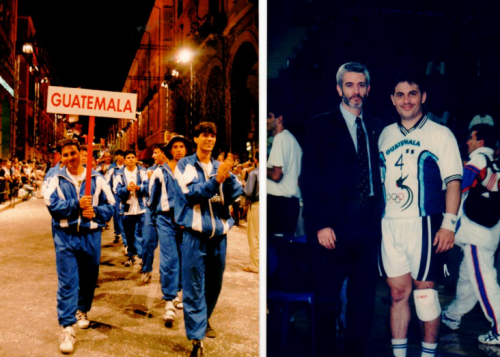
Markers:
point(427, 304)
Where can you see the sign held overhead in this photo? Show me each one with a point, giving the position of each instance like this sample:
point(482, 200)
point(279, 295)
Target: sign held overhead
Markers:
point(91, 102)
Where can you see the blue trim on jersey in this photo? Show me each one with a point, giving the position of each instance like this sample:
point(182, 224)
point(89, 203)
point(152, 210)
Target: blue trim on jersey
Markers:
point(431, 198)
point(383, 169)
point(423, 270)
point(481, 287)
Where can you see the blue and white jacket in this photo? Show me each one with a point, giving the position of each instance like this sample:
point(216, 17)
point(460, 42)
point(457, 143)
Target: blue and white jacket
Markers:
point(203, 203)
point(162, 190)
point(62, 198)
point(113, 169)
point(120, 184)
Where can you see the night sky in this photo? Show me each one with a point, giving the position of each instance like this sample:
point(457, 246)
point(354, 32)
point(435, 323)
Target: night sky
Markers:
point(91, 43)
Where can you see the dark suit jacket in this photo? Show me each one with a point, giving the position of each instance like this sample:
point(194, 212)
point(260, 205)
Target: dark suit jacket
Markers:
point(330, 173)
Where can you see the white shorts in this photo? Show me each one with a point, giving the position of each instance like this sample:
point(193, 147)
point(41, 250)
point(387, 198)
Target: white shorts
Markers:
point(407, 247)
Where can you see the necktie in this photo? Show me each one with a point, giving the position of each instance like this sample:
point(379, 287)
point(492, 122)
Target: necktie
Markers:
point(364, 170)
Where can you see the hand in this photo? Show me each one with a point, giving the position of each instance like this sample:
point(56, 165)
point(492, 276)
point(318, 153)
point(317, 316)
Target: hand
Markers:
point(131, 186)
point(150, 172)
point(444, 240)
point(327, 238)
point(85, 202)
point(88, 212)
point(223, 172)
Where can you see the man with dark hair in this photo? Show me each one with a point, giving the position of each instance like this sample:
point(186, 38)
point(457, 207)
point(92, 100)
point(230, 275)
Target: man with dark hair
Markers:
point(478, 236)
point(418, 157)
point(77, 220)
point(130, 185)
point(283, 170)
point(162, 196)
point(206, 188)
point(342, 195)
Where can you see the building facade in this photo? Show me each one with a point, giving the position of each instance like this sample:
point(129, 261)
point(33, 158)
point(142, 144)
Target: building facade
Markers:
point(8, 75)
point(197, 61)
point(36, 130)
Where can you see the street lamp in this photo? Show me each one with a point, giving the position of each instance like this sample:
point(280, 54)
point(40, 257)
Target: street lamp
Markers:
point(28, 48)
point(187, 55)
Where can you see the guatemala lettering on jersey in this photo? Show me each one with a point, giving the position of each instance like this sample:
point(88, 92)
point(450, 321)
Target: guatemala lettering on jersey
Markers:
point(416, 165)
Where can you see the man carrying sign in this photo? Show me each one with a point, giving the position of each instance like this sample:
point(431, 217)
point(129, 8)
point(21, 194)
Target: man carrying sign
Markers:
point(77, 223)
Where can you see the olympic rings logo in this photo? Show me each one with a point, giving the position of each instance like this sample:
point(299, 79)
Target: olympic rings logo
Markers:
point(395, 197)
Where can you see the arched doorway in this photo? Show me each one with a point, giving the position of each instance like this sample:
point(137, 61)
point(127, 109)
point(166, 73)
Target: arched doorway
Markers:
point(244, 99)
point(180, 117)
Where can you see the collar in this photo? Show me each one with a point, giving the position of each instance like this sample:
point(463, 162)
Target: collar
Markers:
point(482, 150)
point(418, 125)
point(348, 116)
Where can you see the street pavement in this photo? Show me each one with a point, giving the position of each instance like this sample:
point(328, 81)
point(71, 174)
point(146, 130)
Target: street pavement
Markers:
point(126, 316)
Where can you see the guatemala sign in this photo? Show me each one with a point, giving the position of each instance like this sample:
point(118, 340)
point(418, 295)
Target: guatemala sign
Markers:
point(91, 102)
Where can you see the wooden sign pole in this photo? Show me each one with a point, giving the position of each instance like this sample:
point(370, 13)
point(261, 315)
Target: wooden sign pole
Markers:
point(90, 155)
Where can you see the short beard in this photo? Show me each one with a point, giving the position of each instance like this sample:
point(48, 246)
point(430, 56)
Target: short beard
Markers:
point(346, 101)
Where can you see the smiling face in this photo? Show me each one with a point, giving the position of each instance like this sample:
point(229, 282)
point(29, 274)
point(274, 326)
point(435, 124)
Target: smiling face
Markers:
point(354, 90)
point(408, 101)
point(205, 142)
point(70, 156)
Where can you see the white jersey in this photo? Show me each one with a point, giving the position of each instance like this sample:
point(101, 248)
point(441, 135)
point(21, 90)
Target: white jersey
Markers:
point(416, 165)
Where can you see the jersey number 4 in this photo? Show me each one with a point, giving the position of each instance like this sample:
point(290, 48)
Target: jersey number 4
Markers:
point(400, 162)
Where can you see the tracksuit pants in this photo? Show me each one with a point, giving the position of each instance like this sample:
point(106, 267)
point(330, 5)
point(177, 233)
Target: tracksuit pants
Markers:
point(77, 259)
point(477, 281)
point(150, 241)
point(117, 222)
point(203, 263)
point(132, 225)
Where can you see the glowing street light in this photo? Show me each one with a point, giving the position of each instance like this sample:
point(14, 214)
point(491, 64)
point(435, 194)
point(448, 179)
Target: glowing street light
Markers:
point(28, 48)
point(185, 55)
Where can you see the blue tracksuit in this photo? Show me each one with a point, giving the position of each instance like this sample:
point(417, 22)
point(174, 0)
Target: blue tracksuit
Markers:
point(162, 192)
point(132, 223)
point(117, 219)
point(202, 208)
point(77, 240)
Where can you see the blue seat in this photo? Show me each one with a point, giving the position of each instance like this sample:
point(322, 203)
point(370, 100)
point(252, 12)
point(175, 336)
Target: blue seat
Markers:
point(284, 299)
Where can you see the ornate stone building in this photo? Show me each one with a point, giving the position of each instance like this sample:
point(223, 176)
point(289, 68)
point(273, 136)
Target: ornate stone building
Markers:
point(198, 61)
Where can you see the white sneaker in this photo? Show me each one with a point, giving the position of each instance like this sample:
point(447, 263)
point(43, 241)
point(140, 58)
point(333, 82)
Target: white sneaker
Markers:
point(452, 324)
point(68, 340)
point(82, 320)
point(146, 277)
point(178, 303)
point(491, 338)
point(169, 315)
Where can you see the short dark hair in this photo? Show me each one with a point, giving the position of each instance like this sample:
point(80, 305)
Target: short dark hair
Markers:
point(68, 142)
point(410, 78)
point(119, 152)
point(205, 127)
point(129, 152)
point(485, 132)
